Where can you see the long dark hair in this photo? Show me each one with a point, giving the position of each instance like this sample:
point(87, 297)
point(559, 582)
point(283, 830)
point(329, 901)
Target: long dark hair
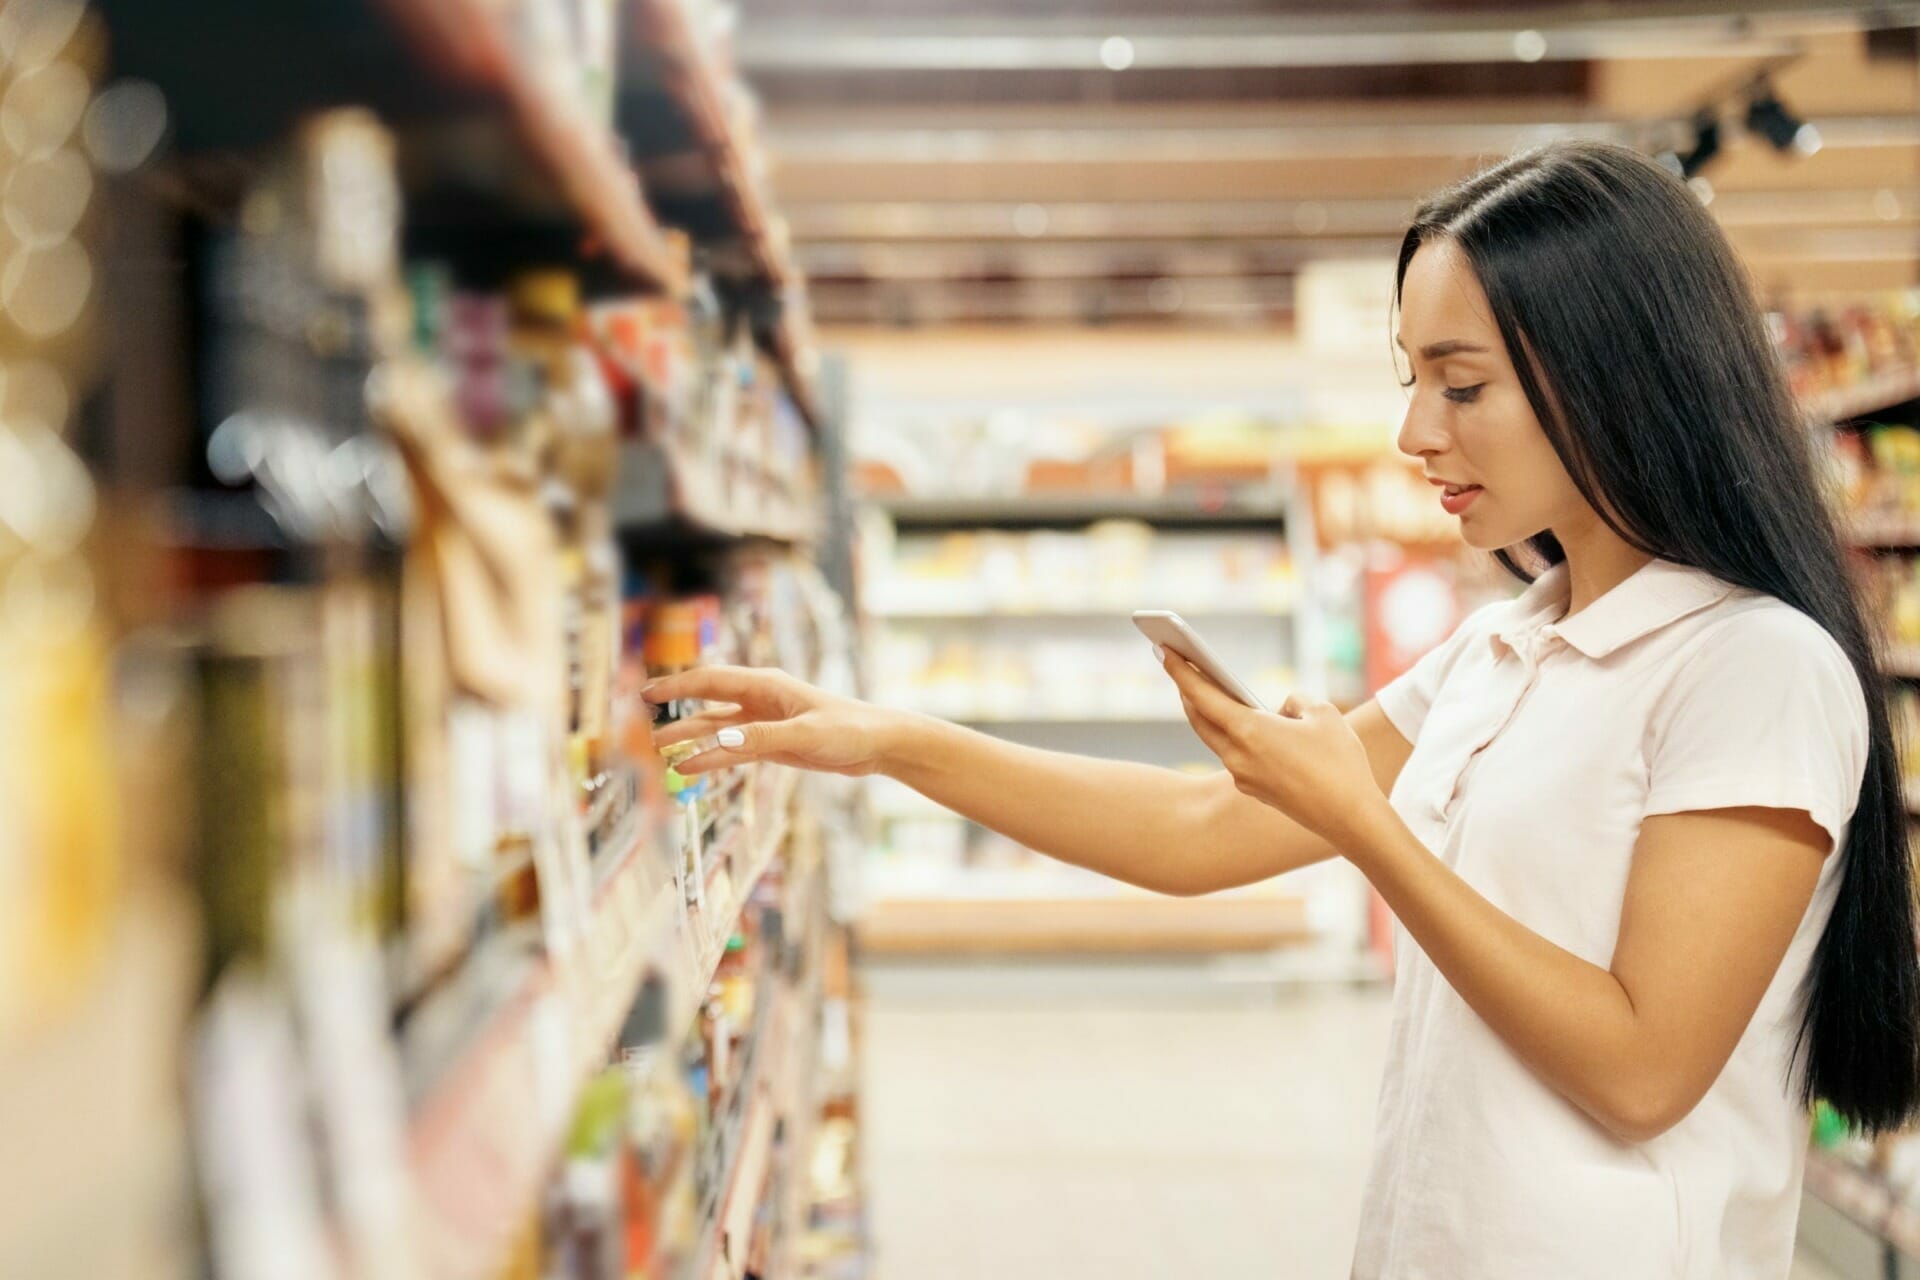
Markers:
point(1640, 346)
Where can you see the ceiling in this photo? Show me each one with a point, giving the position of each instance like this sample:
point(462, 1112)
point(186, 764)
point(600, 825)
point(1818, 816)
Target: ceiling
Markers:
point(997, 160)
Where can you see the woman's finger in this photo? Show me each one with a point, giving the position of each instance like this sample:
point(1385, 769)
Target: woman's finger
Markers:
point(711, 760)
point(1299, 706)
point(739, 744)
point(704, 725)
point(763, 690)
point(1212, 701)
point(1211, 735)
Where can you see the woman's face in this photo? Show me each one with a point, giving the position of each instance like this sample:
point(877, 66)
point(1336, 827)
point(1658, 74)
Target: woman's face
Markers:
point(1468, 420)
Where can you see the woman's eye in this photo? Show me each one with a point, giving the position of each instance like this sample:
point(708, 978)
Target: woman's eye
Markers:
point(1465, 395)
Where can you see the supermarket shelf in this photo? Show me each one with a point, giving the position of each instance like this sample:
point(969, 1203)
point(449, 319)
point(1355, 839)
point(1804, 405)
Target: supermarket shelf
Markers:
point(1085, 717)
point(500, 151)
point(1055, 926)
point(1860, 1194)
point(674, 111)
point(1863, 1198)
point(1871, 396)
point(585, 159)
point(675, 104)
point(1911, 787)
point(793, 358)
point(776, 1085)
point(482, 1143)
point(1203, 509)
point(748, 1151)
point(1885, 533)
point(1114, 612)
point(660, 490)
point(1903, 662)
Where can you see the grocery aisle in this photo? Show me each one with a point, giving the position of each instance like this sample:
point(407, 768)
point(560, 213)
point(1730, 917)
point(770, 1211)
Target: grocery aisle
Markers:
point(1022, 1126)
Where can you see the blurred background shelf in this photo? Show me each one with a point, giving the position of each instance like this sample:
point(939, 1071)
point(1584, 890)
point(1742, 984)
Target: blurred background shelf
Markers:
point(1875, 395)
point(1227, 510)
point(1055, 926)
point(1885, 534)
point(664, 493)
point(692, 130)
point(960, 610)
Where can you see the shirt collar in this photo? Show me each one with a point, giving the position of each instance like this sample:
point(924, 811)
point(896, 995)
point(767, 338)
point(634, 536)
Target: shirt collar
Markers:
point(1653, 596)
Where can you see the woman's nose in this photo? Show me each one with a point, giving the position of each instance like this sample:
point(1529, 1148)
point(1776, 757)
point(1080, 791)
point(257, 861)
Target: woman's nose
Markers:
point(1420, 435)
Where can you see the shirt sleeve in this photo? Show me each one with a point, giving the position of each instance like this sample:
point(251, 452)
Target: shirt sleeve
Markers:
point(1770, 714)
point(1408, 697)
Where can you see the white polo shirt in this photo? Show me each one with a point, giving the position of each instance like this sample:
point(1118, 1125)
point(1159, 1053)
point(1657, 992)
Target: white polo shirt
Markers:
point(1539, 747)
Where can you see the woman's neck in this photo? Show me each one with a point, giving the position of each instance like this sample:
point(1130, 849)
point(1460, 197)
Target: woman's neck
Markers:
point(1598, 560)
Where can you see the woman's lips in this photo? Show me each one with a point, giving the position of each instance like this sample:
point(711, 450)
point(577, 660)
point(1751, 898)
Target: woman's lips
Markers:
point(1458, 497)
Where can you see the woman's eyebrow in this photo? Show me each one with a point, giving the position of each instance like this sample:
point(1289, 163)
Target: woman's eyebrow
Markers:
point(1444, 348)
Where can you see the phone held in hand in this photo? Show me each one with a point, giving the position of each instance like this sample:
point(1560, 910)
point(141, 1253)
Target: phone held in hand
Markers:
point(1170, 631)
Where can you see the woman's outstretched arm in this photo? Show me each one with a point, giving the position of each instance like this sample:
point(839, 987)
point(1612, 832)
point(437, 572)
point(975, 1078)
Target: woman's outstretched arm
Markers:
point(1157, 828)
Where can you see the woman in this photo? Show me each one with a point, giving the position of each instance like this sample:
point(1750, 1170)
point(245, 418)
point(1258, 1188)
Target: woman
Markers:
point(1642, 827)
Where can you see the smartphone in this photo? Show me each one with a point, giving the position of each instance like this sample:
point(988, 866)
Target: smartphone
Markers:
point(1170, 631)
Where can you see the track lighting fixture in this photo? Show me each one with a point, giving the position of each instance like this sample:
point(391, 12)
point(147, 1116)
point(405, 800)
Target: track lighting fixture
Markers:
point(1706, 144)
point(1769, 118)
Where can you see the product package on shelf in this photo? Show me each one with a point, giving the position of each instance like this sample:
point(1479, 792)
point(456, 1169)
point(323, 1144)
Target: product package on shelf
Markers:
point(682, 1153)
point(1876, 474)
point(1832, 349)
point(730, 450)
point(1033, 626)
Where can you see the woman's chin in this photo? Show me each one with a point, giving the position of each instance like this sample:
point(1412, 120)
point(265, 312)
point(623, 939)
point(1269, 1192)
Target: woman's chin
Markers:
point(1476, 535)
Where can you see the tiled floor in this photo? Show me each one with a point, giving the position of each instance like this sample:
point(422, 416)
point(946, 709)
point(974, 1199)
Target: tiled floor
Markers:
point(1023, 1125)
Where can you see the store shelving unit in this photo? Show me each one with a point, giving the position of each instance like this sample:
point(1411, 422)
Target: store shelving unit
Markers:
point(499, 168)
point(694, 142)
point(1201, 609)
point(955, 923)
point(1855, 1218)
point(1865, 1225)
point(672, 96)
point(1878, 393)
point(562, 1021)
point(923, 903)
point(1884, 534)
point(662, 492)
point(492, 155)
point(470, 39)
point(1259, 508)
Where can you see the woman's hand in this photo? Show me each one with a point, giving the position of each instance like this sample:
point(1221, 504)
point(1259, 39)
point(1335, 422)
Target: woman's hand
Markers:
point(771, 716)
point(1307, 761)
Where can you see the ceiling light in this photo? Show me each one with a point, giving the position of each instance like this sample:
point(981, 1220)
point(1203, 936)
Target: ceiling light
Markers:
point(1529, 45)
point(1116, 53)
point(1706, 144)
point(1769, 117)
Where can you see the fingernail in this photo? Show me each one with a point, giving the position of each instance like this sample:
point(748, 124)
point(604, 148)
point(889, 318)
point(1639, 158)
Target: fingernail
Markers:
point(1159, 654)
point(731, 738)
